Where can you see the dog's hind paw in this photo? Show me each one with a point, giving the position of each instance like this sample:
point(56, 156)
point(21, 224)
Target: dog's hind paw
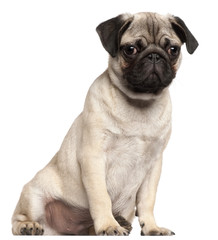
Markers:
point(29, 228)
point(124, 223)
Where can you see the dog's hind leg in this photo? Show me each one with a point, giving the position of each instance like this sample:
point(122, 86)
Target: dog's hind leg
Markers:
point(29, 215)
point(67, 219)
point(23, 220)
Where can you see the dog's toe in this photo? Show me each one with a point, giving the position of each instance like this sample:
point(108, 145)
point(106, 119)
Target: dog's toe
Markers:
point(156, 231)
point(114, 231)
point(30, 228)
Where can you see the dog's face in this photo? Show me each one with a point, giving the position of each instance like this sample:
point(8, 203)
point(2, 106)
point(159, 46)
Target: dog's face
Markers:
point(145, 51)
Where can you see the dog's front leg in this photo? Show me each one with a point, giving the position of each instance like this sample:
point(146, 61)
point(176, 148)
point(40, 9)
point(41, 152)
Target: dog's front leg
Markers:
point(146, 200)
point(92, 163)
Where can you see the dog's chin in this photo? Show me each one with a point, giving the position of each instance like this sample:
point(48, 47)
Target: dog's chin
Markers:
point(135, 92)
point(151, 87)
point(153, 84)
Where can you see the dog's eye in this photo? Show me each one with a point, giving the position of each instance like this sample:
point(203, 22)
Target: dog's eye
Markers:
point(174, 51)
point(130, 50)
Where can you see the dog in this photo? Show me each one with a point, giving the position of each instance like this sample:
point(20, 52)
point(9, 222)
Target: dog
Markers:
point(109, 164)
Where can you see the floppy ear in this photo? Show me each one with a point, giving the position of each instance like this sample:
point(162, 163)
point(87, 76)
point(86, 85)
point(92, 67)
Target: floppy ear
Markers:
point(184, 34)
point(110, 33)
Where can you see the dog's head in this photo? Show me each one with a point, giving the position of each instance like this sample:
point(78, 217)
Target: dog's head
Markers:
point(145, 51)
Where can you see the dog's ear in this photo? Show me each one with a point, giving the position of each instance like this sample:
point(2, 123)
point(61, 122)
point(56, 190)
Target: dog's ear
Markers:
point(110, 32)
point(184, 34)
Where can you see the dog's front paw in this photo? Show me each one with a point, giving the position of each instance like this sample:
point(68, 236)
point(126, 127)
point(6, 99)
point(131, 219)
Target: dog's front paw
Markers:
point(111, 227)
point(114, 231)
point(155, 231)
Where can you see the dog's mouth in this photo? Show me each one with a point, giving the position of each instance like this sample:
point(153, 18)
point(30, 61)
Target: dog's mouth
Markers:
point(143, 86)
point(153, 83)
point(149, 78)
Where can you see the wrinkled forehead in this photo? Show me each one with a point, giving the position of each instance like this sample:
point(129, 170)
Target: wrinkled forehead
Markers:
point(150, 28)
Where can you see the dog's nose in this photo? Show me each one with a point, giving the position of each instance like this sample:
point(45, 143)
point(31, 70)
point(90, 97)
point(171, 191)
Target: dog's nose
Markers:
point(154, 57)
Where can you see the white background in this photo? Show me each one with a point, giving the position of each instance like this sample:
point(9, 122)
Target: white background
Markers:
point(49, 56)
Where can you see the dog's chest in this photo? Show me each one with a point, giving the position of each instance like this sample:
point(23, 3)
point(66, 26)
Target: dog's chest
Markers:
point(130, 156)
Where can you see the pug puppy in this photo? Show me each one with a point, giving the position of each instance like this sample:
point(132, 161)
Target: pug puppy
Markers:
point(109, 164)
